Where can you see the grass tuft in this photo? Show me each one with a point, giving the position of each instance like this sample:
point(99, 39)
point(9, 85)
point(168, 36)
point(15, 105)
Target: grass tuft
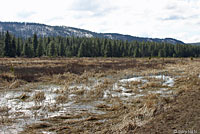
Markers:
point(39, 96)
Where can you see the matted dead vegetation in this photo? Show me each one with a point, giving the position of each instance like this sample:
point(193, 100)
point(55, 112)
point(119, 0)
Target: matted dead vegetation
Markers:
point(91, 95)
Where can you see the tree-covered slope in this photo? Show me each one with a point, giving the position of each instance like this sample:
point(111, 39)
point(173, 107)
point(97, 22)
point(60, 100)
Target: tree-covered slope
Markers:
point(12, 46)
point(26, 30)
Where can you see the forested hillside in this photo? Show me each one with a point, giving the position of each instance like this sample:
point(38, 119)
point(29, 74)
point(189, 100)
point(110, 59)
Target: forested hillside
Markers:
point(11, 46)
point(26, 30)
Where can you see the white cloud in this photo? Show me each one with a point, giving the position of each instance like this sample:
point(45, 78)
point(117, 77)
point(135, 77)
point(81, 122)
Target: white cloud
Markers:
point(152, 18)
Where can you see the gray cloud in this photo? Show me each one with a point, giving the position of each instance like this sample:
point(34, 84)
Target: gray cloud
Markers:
point(173, 17)
point(103, 12)
point(171, 7)
point(198, 23)
point(90, 8)
point(179, 17)
point(25, 14)
point(85, 5)
point(196, 16)
point(55, 19)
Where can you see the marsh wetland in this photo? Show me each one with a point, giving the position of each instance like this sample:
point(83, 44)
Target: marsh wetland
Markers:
point(92, 95)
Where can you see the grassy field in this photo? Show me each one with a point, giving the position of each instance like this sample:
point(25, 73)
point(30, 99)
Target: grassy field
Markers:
point(99, 95)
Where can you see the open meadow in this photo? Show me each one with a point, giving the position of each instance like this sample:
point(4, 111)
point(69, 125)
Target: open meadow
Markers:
point(99, 95)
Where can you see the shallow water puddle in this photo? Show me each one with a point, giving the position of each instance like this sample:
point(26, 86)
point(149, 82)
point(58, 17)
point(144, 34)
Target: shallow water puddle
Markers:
point(140, 78)
point(45, 132)
point(167, 80)
point(89, 86)
point(24, 109)
point(161, 91)
point(122, 89)
point(81, 86)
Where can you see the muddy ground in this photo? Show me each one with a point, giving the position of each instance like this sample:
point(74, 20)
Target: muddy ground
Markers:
point(99, 95)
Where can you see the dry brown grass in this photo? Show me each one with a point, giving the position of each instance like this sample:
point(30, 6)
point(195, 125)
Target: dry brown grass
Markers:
point(121, 115)
point(61, 99)
point(4, 109)
point(152, 85)
point(52, 108)
point(39, 126)
point(128, 126)
point(32, 69)
point(102, 106)
point(78, 91)
point(17, 84)
point(4, 120)
point(95, 93)
point(133, 83)
point(4, 115)
point(151, 97)
point(7, 76)
point(39, 96)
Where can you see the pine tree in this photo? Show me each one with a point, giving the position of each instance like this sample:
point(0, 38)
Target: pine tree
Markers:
point(25, 50)
point(125, 53)
point(1, 44)
point(81, 51)
point(161, 53)
point(28, 50)
point(90, 47)
point(40, 50)
point(18, 48)
point(7, 48)
point(74, 49)
point(35, 43)
point(121, 50)
point(114, 49)
point(13, 48)
point(62, 49)
point(98, 45)
point(108, 50)
point(136, 52)
point(130, 50)
point(1, 48)
point(68, 51)
point(103, 46)
point(52, 49)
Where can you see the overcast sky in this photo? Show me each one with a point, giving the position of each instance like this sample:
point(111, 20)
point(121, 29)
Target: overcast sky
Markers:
point(178, 19)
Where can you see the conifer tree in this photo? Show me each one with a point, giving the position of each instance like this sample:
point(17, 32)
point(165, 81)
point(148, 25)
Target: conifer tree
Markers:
point(89, 47)
point(1, 48)
point(81, 51)
point(161, 53)
point(108, 50)
point(18, 48)
point(13, 48)
point(62, 49)
point(40, 50)
point(35, 43)
point(26, 50)
point(7, 48)
point(68, 51)
point(136, 52)
point(52, 49)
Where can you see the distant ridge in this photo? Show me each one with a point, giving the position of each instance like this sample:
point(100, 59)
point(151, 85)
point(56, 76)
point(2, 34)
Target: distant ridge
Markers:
point(23, 29)
point(196, 44)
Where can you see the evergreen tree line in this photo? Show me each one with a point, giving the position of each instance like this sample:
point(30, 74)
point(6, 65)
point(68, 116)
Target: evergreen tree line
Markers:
point(10, 46)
